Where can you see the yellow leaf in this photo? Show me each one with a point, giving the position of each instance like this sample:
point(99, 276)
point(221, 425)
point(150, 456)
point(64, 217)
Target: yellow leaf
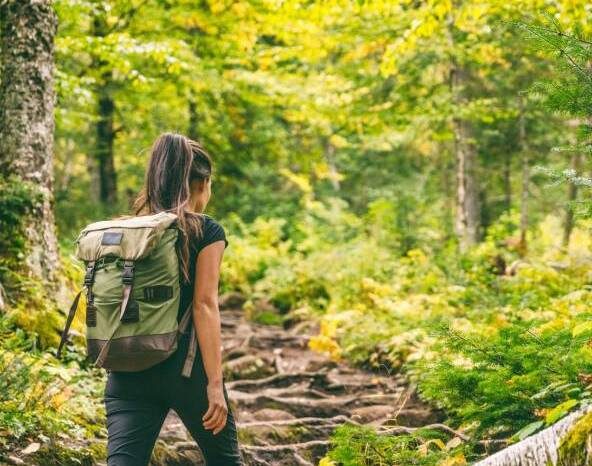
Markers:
point(456, 460)
point(326, 462)
point(338, 141)
point(453, 443)
point(582, 328)
point(424, 447)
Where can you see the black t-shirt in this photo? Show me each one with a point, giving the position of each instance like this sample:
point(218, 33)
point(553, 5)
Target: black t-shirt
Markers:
point(212, 231)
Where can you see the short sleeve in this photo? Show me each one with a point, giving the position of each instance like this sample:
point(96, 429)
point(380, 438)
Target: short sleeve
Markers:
point(212, 232)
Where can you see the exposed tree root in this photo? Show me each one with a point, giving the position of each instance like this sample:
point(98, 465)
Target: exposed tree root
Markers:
point(286, 418)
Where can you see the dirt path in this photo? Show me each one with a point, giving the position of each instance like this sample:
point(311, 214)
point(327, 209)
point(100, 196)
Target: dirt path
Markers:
point(288, 399)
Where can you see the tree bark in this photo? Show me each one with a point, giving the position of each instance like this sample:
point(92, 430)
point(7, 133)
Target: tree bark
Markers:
point(572, 194)
point(467, 202)
point(104, 144)
point(524, 194)
point(508, 180)
point(468, 211)
point(105, 133)
point(27, 31)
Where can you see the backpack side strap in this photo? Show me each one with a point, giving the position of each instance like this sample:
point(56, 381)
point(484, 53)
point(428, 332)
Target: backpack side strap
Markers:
point(186, 321)
point(69, 319)
point(191, 352)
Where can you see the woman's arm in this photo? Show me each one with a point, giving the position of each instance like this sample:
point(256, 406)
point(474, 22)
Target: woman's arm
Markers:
point(206, 318)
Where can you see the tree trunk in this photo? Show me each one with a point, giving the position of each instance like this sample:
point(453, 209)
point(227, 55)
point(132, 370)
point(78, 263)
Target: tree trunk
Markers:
point(27, 30)
point(550, 446)
point(572, 194)
point(193, 126)
point(105, 133)
point(468, 213)
point(467, 202)
point(104, 143)
point(447, 170)
point(524, 194)
point(508, 180)
point(329, 154)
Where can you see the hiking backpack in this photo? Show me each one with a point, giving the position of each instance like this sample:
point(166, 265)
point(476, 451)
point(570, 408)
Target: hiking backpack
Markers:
point(132, 284)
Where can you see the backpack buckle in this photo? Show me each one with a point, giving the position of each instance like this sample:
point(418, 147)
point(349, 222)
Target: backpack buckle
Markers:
point(127, 276)
point(89, 276)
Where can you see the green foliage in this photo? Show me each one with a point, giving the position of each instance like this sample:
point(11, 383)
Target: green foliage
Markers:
point(17, 200)
point(571, 91)
point(497, 381)
point(362, 446)
point(332, 126)
point(574, 446)
point(40, 398)
point(499, 342)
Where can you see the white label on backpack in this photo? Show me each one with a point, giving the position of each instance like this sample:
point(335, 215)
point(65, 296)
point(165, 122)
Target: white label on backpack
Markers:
point(111, 238)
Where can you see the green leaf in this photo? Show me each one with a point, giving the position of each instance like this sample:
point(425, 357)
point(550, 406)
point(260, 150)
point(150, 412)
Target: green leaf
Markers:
point(528, 430)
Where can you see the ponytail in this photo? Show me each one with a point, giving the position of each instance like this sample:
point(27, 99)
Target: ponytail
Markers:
point(175, 162)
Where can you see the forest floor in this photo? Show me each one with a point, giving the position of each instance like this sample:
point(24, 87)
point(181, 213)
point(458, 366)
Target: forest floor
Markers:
point(288, 399)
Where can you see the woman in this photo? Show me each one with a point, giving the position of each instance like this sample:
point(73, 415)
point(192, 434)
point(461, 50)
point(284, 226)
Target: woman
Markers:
point(178, 180)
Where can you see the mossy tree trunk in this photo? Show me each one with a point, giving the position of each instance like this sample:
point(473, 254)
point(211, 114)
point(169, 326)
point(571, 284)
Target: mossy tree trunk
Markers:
point(27, 97)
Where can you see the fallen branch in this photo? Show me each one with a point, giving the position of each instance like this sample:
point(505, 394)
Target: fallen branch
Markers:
point(315, 421)
point(538, 449)
point(437, 426)
point(295, 447)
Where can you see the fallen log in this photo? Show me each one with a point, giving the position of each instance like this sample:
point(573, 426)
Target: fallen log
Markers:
point(543, 448)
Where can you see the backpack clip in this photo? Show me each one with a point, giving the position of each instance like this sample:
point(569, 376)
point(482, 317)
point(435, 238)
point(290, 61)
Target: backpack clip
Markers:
point(89, 276)
point(127, 277)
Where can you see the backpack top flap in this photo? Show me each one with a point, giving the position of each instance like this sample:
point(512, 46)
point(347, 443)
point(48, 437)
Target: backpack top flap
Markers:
point(129, 238)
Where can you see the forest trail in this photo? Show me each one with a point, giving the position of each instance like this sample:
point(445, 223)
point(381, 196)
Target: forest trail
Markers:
point(288, 399)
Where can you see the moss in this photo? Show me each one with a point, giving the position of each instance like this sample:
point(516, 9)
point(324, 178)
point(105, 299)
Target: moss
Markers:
point(268, 318)
point(574, 449)
point(34, 308)
point(298, 433)
point(17, 200)
point(30, 306)
point(246, 436)
point(36, 313)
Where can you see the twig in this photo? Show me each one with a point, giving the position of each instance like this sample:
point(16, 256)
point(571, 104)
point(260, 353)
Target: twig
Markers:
point(290, 446)
point(409, 430)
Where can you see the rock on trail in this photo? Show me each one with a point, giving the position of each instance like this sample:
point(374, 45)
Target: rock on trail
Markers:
point(288, 399)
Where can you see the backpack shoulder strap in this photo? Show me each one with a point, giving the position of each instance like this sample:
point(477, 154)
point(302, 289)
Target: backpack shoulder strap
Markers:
point(89, 278)
point(127, 278)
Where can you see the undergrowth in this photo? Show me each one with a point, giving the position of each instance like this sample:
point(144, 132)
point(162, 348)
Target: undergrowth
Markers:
point(499, 341)
point(53, 407)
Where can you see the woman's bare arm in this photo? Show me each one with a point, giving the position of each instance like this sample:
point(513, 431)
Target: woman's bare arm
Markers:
point(206, 318)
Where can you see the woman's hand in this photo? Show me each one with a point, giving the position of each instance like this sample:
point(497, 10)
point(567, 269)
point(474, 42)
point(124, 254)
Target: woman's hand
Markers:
point(215, 417)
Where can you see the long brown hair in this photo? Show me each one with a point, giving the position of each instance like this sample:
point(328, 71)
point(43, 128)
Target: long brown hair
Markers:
point(175, 162)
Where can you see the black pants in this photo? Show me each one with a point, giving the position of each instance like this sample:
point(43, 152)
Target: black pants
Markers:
point(137, 404)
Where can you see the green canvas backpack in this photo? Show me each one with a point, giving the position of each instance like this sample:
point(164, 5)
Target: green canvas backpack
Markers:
point(132, 284)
